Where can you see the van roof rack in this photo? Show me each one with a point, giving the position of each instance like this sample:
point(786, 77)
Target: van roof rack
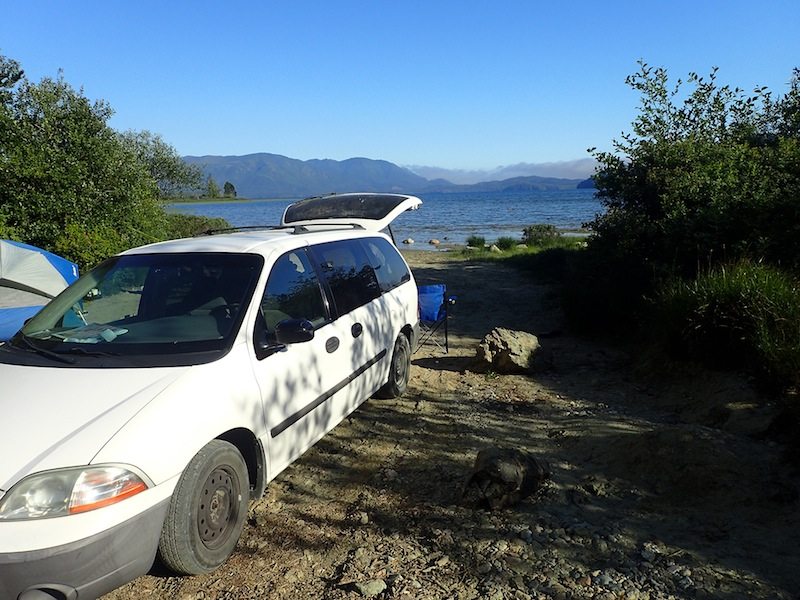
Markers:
point(292, 229)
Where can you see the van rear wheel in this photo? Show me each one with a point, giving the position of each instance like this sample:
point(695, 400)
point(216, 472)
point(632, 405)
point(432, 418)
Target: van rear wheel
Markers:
point(207, 511)
point(399, 370)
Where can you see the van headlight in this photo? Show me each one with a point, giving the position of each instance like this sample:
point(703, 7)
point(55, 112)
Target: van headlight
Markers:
point(70, 491)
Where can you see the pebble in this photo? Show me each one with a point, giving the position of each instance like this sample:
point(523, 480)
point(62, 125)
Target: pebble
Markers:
point(371, 588)
point(484, 568)
point(558, 591)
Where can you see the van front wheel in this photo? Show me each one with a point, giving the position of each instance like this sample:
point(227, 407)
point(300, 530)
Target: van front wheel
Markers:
point(207, 511)
point(399, 370)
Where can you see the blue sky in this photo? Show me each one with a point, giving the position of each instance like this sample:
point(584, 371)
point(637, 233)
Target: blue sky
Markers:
point(460, 85)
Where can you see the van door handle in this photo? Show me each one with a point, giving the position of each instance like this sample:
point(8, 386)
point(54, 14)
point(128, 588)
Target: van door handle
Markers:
point(357, 329)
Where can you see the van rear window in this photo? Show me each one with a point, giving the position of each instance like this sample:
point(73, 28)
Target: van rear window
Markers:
point(349, 274)
point(389, 266)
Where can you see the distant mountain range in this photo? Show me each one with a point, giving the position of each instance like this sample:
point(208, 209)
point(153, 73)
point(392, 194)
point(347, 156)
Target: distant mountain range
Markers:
point(266, 175)
point(570, 169)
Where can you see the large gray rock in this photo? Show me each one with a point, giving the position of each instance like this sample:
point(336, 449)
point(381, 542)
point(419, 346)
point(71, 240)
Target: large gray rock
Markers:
point(507, 351)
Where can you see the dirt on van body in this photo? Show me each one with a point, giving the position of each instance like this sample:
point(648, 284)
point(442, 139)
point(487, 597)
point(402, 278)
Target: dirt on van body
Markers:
point(661, 487)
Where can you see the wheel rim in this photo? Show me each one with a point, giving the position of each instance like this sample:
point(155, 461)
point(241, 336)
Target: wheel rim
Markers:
point(218, 508)
point(401, 366)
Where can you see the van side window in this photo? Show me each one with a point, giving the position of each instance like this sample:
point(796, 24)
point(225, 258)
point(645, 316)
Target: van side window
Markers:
point(349, 274)
point(293, 292)
point(389, 266)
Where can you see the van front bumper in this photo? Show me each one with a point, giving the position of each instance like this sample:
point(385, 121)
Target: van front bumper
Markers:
point(86, 568)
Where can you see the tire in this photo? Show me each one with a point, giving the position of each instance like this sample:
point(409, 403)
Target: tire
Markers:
point(207, 511)
point(399, 370)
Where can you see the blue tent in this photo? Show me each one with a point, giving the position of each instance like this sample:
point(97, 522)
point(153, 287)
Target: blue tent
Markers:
point(29, 278)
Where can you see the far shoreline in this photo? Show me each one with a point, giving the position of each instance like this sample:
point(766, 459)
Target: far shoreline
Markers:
point(207, 201)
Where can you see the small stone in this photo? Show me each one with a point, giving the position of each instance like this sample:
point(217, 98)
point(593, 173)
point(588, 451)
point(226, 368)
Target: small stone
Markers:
point(605, 580)
point(484, 568)
point(362, 558)
point(363, 518)
point(558, 591)
point(371, 588)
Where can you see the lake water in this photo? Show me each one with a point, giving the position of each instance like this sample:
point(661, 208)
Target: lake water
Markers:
point(447, 217)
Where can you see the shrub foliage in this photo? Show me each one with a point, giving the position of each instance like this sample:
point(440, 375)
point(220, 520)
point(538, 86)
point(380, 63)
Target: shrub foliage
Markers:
point(476, 241)
point(709, 176)
point(70, 183)
point(541, 234)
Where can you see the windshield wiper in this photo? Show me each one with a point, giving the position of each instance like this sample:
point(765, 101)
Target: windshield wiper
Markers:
point(87, 352)
point(31, 347)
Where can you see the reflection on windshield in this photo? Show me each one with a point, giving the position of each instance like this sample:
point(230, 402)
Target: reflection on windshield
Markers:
point(152, 302)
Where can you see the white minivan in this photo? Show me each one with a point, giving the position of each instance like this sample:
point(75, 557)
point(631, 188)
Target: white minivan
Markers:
point(151, 400)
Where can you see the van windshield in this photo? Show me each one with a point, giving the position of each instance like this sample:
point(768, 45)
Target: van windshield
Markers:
point(159, 308)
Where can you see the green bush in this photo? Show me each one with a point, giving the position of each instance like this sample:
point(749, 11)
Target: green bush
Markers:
point(541, 234)
point(745, 315)
point(506, 243)
point(708, 175)
point(182, 225)
point(476, 241)
point(69, 183)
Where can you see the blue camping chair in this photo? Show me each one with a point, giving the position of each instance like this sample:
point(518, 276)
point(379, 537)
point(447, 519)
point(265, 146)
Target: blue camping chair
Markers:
point(434, 306)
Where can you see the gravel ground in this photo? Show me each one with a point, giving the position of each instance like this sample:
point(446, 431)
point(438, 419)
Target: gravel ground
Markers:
point(661, 488)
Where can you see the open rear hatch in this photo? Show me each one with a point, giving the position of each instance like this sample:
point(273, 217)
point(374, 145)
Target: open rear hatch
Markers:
point(367, 210)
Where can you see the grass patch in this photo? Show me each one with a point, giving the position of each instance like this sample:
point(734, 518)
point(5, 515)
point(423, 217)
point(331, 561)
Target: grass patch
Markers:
point(742, 316)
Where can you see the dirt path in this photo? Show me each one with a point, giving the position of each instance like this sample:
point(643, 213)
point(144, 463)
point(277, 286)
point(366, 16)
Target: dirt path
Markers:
point(657, 491)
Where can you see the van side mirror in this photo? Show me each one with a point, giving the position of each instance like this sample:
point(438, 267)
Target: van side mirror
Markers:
point(289, 331)
point(294, 331)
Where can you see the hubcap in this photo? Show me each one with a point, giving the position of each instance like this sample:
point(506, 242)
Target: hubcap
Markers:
point(401, 368)
point(217, 512)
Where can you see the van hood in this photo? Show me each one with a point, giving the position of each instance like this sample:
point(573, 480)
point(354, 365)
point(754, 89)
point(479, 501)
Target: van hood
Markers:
point(53, 418)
